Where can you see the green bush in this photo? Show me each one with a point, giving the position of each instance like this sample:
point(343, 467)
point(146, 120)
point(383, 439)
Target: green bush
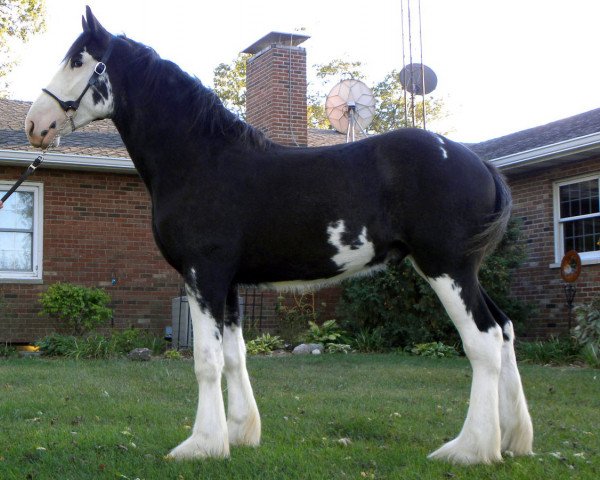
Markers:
point(99, 346)
point(7, 350)
point(264, 344)
point(80, 309)
point(338, 348)
point(407, 310)
point(434, 349)
point(558, 351)
point(173, 355)
point(295, 317)
point(57, 345)
point(329, 332)
point(369, 340)
point(587, 330)
point(125, 341)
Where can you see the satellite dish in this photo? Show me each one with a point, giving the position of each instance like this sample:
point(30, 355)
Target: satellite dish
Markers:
point(350, 104)
point(418, 79)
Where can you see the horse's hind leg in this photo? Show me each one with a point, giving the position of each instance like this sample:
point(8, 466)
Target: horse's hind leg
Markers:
point(515, 422)
point(479, 439)
point(243, 419)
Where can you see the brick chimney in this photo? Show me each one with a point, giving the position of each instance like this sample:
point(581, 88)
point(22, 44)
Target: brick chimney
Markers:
point(276, 87)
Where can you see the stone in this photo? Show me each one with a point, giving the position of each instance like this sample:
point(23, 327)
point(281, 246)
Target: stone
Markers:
point(140, 354)
point(307, 348)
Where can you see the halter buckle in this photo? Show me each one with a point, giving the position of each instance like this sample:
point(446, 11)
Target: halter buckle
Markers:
point(100, 68)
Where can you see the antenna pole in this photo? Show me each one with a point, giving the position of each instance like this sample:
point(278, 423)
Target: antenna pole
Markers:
point(422, 67)
point(404, 65)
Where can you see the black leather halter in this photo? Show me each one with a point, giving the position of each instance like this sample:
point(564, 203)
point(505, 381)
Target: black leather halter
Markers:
point(99, 70)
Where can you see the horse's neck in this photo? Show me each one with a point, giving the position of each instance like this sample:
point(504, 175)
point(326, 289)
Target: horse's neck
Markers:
point(158, 137)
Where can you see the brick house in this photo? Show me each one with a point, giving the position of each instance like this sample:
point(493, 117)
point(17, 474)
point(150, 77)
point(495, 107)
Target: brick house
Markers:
point(554, 174)
point(85, 216)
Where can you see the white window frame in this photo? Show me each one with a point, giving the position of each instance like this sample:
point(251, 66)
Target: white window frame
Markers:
point(586, 257)
point(35, 275)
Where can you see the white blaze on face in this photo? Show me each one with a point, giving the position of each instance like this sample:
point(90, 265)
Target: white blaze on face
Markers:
point(351, 257)
point(46, 119)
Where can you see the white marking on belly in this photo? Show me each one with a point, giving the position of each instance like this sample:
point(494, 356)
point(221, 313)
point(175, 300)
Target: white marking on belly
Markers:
point(352, 260)
point(352, 257)
point(312, 285)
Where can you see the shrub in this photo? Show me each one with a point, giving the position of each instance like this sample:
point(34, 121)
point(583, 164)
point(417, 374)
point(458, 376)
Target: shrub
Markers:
point(99, 346)
point(434, 349)
point(406, 309)
point(294, 318)
point(173, 355)
point(7, 350)
point(338, 348)
point(369, 340)
point(125, 341)
point(553, 351)
point(329, 332)
point(591, 355)
point(264, 344)
point(57, 344)
point(81, 309)
point(587, 330)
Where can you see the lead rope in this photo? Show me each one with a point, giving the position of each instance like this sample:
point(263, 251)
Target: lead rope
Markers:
point(39, 159)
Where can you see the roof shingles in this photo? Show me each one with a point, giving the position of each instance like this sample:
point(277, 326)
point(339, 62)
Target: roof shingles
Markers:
point(101, 138)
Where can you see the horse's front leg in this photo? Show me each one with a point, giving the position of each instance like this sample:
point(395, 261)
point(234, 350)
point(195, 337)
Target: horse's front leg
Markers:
point(209, 436)
point(243, 419)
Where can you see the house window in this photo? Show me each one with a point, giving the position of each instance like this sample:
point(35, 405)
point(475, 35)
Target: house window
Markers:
point(21, 234)
point(577, 214)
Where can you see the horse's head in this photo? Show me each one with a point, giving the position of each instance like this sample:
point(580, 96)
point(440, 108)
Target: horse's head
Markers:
point(80, 91)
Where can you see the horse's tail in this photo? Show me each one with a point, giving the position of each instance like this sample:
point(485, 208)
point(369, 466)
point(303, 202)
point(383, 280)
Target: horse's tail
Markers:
point(486, 241)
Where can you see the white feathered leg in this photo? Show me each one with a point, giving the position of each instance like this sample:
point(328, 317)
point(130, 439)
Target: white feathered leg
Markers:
point(243, 419)
point(479, 439)
point(209, 435)
point(515, 422)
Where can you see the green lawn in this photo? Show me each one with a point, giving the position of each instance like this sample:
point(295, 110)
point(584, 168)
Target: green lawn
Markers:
point(112, 419)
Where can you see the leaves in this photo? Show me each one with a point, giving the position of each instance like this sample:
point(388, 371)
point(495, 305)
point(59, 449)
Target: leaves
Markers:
point(19, 19)
point(230, 84)
point(79, 308)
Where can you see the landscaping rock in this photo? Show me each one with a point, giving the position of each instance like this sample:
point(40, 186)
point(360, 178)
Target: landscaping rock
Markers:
point(140, 354)
point(307, 348)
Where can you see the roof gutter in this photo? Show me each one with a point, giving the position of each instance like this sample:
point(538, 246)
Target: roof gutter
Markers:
point(69, 162)
point(527, 158)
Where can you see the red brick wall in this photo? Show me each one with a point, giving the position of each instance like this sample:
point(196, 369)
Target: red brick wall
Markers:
point(536, 282)
point(95, 225)
point(276, 94)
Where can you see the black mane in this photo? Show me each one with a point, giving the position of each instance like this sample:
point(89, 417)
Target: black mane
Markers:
point(204, 110)
point(207, 114)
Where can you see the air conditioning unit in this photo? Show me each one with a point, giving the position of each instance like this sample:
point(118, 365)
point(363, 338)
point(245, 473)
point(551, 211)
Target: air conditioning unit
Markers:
point(182, 336)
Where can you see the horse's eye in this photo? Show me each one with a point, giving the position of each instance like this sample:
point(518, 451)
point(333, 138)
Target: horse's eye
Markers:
point(76, 63)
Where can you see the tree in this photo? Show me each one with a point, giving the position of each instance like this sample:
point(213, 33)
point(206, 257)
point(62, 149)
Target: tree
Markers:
point(230, 84)
point(394, 106)
point(19, 19)
point(316, 94)
point(389, 96)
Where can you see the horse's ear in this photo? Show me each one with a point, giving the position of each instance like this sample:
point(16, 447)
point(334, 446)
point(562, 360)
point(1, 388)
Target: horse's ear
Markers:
point(93, 25)
point(84, 24)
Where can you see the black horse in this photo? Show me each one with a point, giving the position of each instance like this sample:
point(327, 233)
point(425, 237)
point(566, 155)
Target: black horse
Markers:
point(231, 207)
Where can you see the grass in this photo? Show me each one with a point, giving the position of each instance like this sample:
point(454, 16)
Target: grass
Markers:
point(115, 419)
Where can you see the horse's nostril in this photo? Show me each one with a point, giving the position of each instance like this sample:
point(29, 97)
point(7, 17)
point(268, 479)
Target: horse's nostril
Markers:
point(31, 127)
point(53, 125)
point(43, 133)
